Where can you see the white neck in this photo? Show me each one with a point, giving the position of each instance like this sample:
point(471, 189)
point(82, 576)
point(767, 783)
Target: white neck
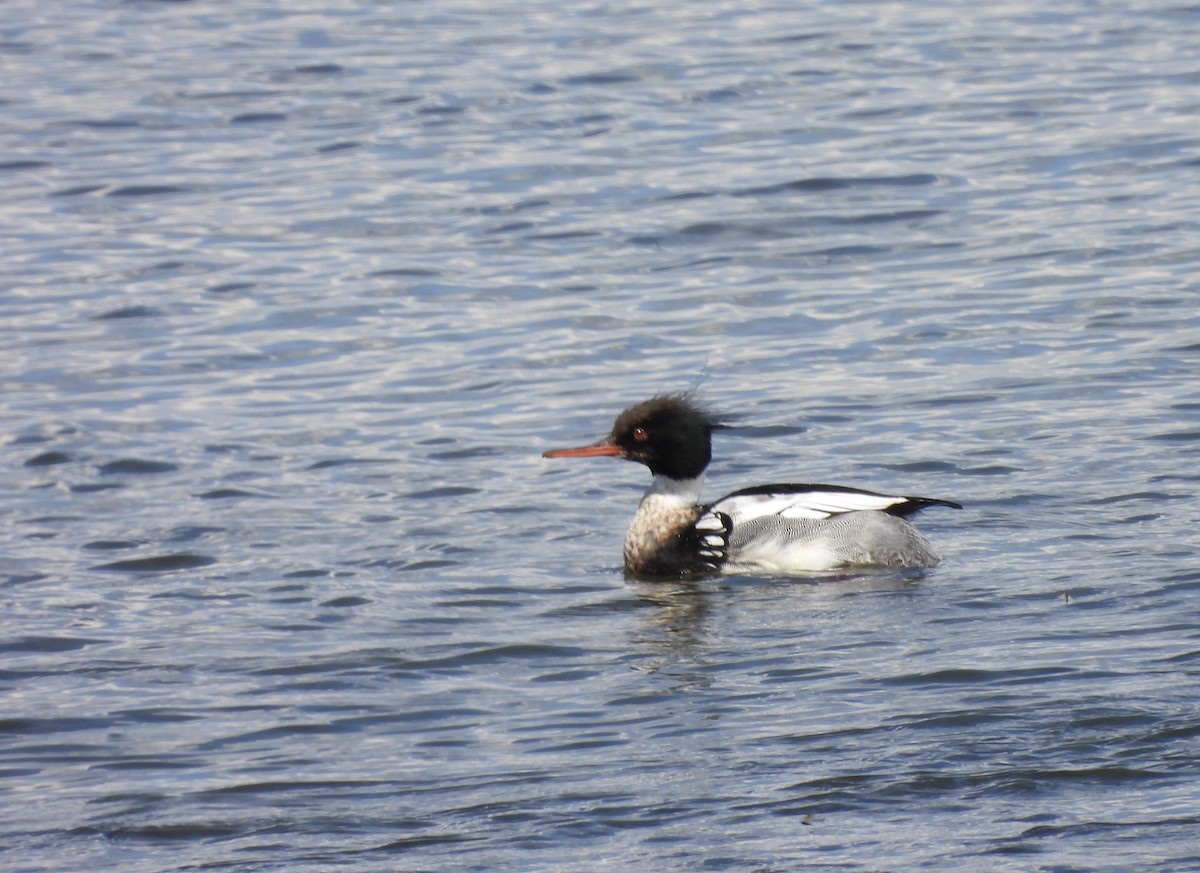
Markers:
point(682, 492)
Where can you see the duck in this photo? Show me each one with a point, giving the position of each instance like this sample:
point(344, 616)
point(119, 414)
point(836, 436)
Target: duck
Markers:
point(779, 528)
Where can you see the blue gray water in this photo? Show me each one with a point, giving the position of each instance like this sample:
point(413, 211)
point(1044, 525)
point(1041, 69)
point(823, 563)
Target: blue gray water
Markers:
point(295, 295)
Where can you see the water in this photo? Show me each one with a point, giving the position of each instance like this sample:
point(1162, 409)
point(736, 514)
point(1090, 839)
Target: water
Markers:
point(295, 297)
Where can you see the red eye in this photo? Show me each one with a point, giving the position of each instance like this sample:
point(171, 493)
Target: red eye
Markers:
point(640, 435)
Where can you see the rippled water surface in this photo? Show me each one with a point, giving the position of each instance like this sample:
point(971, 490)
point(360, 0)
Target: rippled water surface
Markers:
point(295, 296)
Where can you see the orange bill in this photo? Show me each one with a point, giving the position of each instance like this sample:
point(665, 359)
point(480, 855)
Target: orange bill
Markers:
point(603, 448)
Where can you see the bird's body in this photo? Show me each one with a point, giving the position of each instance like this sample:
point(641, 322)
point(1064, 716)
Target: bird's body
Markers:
point(784, 528)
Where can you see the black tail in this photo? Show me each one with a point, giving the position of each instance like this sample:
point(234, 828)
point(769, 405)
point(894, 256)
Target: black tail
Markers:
point(913, 505)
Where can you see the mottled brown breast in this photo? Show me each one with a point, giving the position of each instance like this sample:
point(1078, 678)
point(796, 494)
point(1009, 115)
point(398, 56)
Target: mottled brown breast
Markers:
point(651, 541)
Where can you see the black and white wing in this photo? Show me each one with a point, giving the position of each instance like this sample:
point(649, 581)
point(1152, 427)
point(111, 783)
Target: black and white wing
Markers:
point(816, 528)
point(815, 502)
point(710, 539)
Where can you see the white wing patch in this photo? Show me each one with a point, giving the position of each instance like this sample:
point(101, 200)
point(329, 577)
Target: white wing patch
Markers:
point(709, 522)
point(712, 538)
point(801, 504)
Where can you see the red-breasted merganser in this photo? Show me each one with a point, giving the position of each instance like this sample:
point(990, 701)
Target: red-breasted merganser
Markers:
point(772, 528)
